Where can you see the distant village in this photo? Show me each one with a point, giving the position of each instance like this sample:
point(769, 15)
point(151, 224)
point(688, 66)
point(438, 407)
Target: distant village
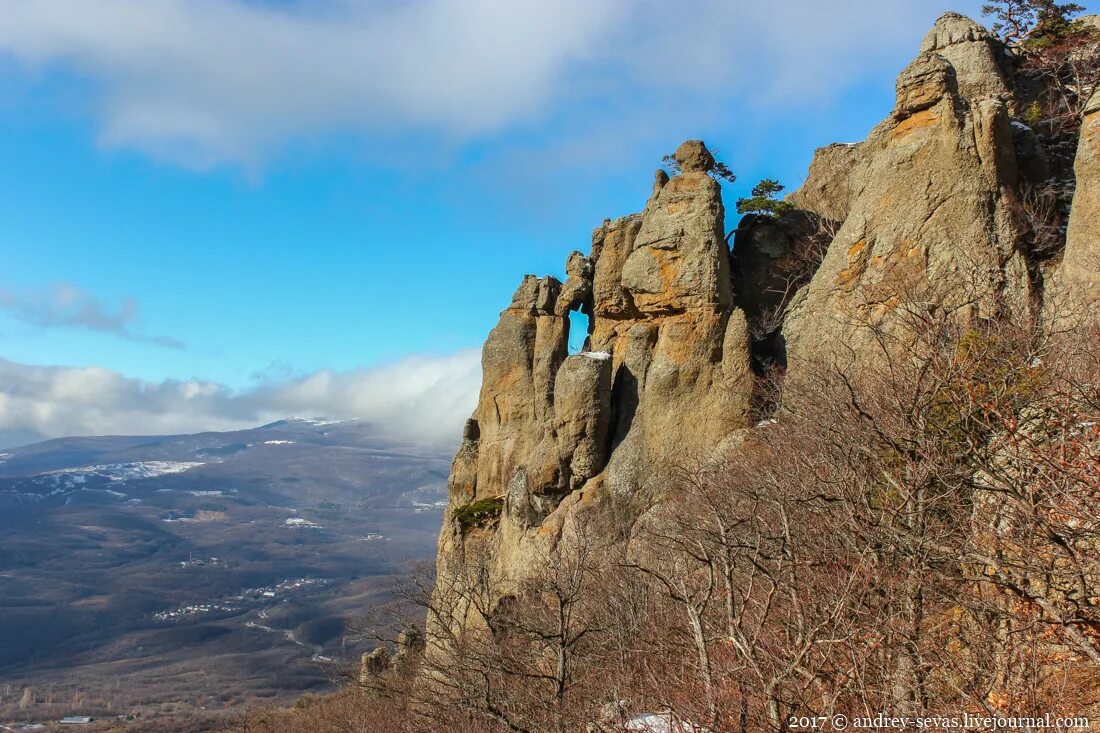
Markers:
point(240, 601)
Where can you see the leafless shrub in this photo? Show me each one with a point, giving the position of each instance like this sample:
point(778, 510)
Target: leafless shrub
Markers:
point(804, 257)
point(915, 536)
point(1044, 209)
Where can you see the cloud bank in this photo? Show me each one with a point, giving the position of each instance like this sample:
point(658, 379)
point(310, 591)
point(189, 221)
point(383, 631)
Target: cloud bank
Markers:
point(419, 398)
point(205, 82)
point(65, 305)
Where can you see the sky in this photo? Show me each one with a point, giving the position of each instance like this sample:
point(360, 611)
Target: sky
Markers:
point(218, 212)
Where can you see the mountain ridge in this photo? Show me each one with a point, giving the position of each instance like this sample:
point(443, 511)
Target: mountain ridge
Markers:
point(179, 577)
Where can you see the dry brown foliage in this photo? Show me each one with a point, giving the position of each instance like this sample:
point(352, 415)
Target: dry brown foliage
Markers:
point(918, 538)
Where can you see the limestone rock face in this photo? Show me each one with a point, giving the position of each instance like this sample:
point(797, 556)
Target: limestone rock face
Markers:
point(675, 264)
point(519, 362)
point(923, 83)
point(462, 482)
point(662, 307)
point(660, 178)
point(1074, 290)
point(582, 413)
point(835, 174)
point(931, 217)
point(573, 447)
point(663, 311)
point(925, 216)
point(576, 294)
point(974, 55)
point(666, 366)
point(612, 243)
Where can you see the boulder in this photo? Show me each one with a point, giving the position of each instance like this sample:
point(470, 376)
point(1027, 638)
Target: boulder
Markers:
point(693, 157)
point(373, 663)
point(410, 643)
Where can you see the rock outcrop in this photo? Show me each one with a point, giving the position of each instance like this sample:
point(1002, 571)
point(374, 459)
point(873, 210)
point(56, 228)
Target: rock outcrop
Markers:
point(931, 218)
point(1074, 291)
point(924, 217)
point(373, 663)
point(835, 174)
point(666, 366)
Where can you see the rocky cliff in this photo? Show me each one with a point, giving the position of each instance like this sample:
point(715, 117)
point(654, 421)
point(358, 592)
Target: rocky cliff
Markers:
point(928, 210)
point(666, 369)
point(1075, 286)
point(926, 214)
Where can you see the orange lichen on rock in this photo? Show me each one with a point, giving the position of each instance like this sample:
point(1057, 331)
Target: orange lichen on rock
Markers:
point(918, 121)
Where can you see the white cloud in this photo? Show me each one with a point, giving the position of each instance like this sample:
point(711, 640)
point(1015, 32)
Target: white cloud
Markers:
point(203, 82)
point(64, 305)
point(419, 398)
point(209, 80)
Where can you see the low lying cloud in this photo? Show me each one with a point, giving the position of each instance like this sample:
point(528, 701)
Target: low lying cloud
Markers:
point(65, 305)
point(422, 399)
point(204, 82)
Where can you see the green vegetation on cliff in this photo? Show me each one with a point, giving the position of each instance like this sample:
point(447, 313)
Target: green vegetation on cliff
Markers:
point(479, 513)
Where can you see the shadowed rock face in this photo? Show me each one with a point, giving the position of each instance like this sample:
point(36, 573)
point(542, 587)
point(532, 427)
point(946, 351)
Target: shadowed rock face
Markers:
point(772, 257)
point(1074, 290)
point(925, 217)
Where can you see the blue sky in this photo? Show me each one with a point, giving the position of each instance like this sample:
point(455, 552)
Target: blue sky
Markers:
point(253, 196)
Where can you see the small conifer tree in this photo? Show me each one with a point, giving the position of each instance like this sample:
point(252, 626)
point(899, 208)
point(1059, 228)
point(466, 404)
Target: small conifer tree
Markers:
point(763, 201)
point(719, 172)
point(1033, 23)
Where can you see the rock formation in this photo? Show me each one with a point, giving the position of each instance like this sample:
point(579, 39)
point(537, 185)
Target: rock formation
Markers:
point(1074, 290)
point(926, 215)
point(666, 366)
point(930, 216)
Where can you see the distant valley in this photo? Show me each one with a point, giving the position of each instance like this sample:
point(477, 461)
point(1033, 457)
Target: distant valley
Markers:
point(184, 575)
